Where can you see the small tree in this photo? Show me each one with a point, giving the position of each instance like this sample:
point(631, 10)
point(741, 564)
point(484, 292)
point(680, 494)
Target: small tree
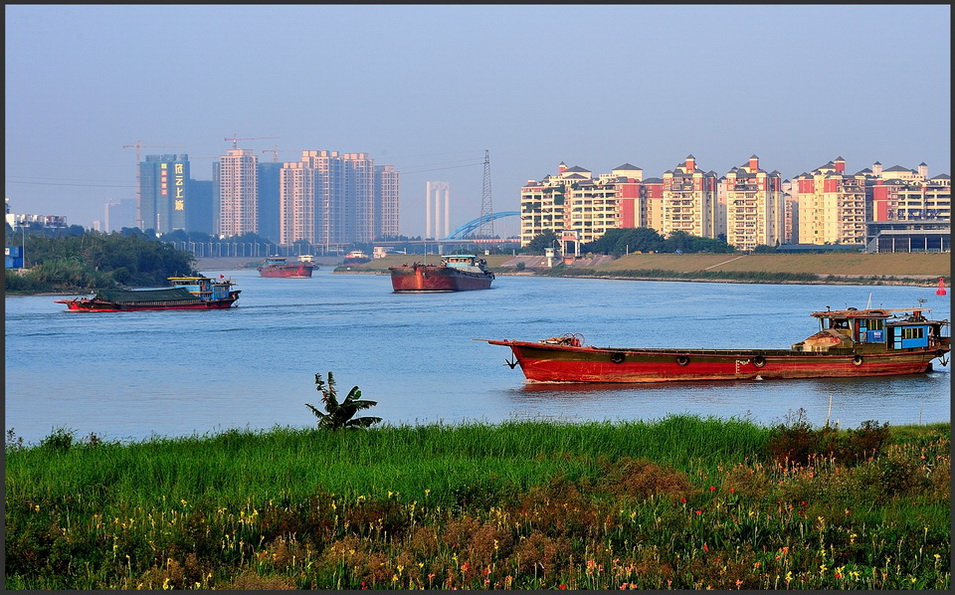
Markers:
point(341, 414)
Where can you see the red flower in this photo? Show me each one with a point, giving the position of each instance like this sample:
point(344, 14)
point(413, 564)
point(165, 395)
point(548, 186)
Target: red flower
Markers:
point(563, 587)
point(705, 549)
point(699, 512)
point(712, 488)
point(683, 500)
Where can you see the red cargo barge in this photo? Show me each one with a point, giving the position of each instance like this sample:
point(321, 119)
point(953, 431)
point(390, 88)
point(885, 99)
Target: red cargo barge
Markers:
point(276, 266)
point(186, 293)
point(457, 272)
point(852, 342)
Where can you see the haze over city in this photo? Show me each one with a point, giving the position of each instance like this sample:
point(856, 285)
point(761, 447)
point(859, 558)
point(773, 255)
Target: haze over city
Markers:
point(429, 88)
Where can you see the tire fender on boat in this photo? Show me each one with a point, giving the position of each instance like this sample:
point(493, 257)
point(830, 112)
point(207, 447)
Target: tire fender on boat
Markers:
point(759, 361)
point(857, 360)
point(682, 360)
point(617, 357)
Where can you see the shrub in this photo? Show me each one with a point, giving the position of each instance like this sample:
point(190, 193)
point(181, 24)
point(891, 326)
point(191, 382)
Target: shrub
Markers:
point(60, 440)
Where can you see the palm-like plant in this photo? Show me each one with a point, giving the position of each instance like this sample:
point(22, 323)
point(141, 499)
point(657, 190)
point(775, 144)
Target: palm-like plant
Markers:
point(341, 414)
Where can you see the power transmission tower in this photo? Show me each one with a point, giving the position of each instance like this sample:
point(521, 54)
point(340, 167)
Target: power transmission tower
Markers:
point(487, 228)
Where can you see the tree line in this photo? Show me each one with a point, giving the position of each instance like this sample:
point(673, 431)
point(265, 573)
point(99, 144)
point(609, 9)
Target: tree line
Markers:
point(620, 241)
point(74, 259)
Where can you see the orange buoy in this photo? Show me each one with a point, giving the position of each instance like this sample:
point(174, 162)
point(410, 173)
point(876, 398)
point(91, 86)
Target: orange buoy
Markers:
point(941, 287)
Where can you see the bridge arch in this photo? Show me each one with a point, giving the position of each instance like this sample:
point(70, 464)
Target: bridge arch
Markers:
point(470, 226)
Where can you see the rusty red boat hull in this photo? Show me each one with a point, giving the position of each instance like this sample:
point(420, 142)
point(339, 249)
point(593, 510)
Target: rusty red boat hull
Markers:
point(542, 362)
point(94, 305)
point(288, 271)
point(434, 278)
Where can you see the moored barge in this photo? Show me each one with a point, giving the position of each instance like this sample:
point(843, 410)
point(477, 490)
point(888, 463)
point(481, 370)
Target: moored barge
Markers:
point(851, 342)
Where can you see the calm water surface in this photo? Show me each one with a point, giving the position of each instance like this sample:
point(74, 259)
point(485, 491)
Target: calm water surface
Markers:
point(138, 374)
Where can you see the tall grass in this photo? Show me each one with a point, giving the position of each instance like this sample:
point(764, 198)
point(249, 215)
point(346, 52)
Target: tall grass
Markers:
point(682, 502)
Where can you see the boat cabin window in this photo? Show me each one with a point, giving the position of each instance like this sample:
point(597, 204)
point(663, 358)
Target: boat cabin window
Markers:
point(839, 323)
point(871, 330)
point(909, 336)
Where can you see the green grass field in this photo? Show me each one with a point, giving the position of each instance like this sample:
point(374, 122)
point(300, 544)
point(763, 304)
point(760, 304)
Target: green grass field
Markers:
point(677, 503)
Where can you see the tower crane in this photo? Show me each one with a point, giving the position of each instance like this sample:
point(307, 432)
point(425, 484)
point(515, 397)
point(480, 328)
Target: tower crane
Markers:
point(275, 152)
point(139, 145)
point(235, 139)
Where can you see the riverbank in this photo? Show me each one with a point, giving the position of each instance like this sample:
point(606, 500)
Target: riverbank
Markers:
point(919, 269)
point(681, 503)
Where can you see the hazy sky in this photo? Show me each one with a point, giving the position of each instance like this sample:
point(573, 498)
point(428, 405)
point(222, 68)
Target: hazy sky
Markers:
point(429, 88)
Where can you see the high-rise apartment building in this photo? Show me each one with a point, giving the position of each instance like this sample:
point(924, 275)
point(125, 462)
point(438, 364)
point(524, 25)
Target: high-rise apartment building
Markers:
point(331, 198)
point(163, 194)
point(627, 179)
point(689, 200)
point(202, 209)
point(269, 173)
point(386, 202)
point(755, 213)
point(901, 194)
point(791, 221)
point(906, 210)
point(543, 202)
point(120, 214)
point(832, 205)
point(237, 182)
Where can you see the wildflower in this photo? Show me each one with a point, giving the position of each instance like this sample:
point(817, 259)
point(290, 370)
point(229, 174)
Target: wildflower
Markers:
point(705, 548)
point(732, 490)
point(683, 500)
point(563, 587)
point(699, 512)
point(712, 488)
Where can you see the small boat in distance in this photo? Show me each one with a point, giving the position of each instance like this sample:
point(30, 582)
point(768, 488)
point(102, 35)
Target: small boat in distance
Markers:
point(851, 342)
point(186, 293)
point(355, 257)
point(277, 266)
point(457, 272)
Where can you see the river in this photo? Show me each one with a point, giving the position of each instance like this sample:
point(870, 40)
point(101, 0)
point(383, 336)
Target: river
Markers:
point(131, 376)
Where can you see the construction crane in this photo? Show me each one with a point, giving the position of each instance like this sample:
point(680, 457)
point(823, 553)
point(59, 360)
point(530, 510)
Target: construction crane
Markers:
point(139, 145)
point(235, 139)
point(275, 152)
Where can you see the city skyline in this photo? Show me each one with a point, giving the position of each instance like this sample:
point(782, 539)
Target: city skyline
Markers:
point(429, 89)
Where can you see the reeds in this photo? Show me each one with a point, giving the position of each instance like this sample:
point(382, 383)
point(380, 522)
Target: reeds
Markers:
point(681, 503)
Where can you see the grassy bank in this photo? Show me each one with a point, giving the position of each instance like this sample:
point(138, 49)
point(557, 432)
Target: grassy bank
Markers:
point(877, 269)
point(683, 503)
